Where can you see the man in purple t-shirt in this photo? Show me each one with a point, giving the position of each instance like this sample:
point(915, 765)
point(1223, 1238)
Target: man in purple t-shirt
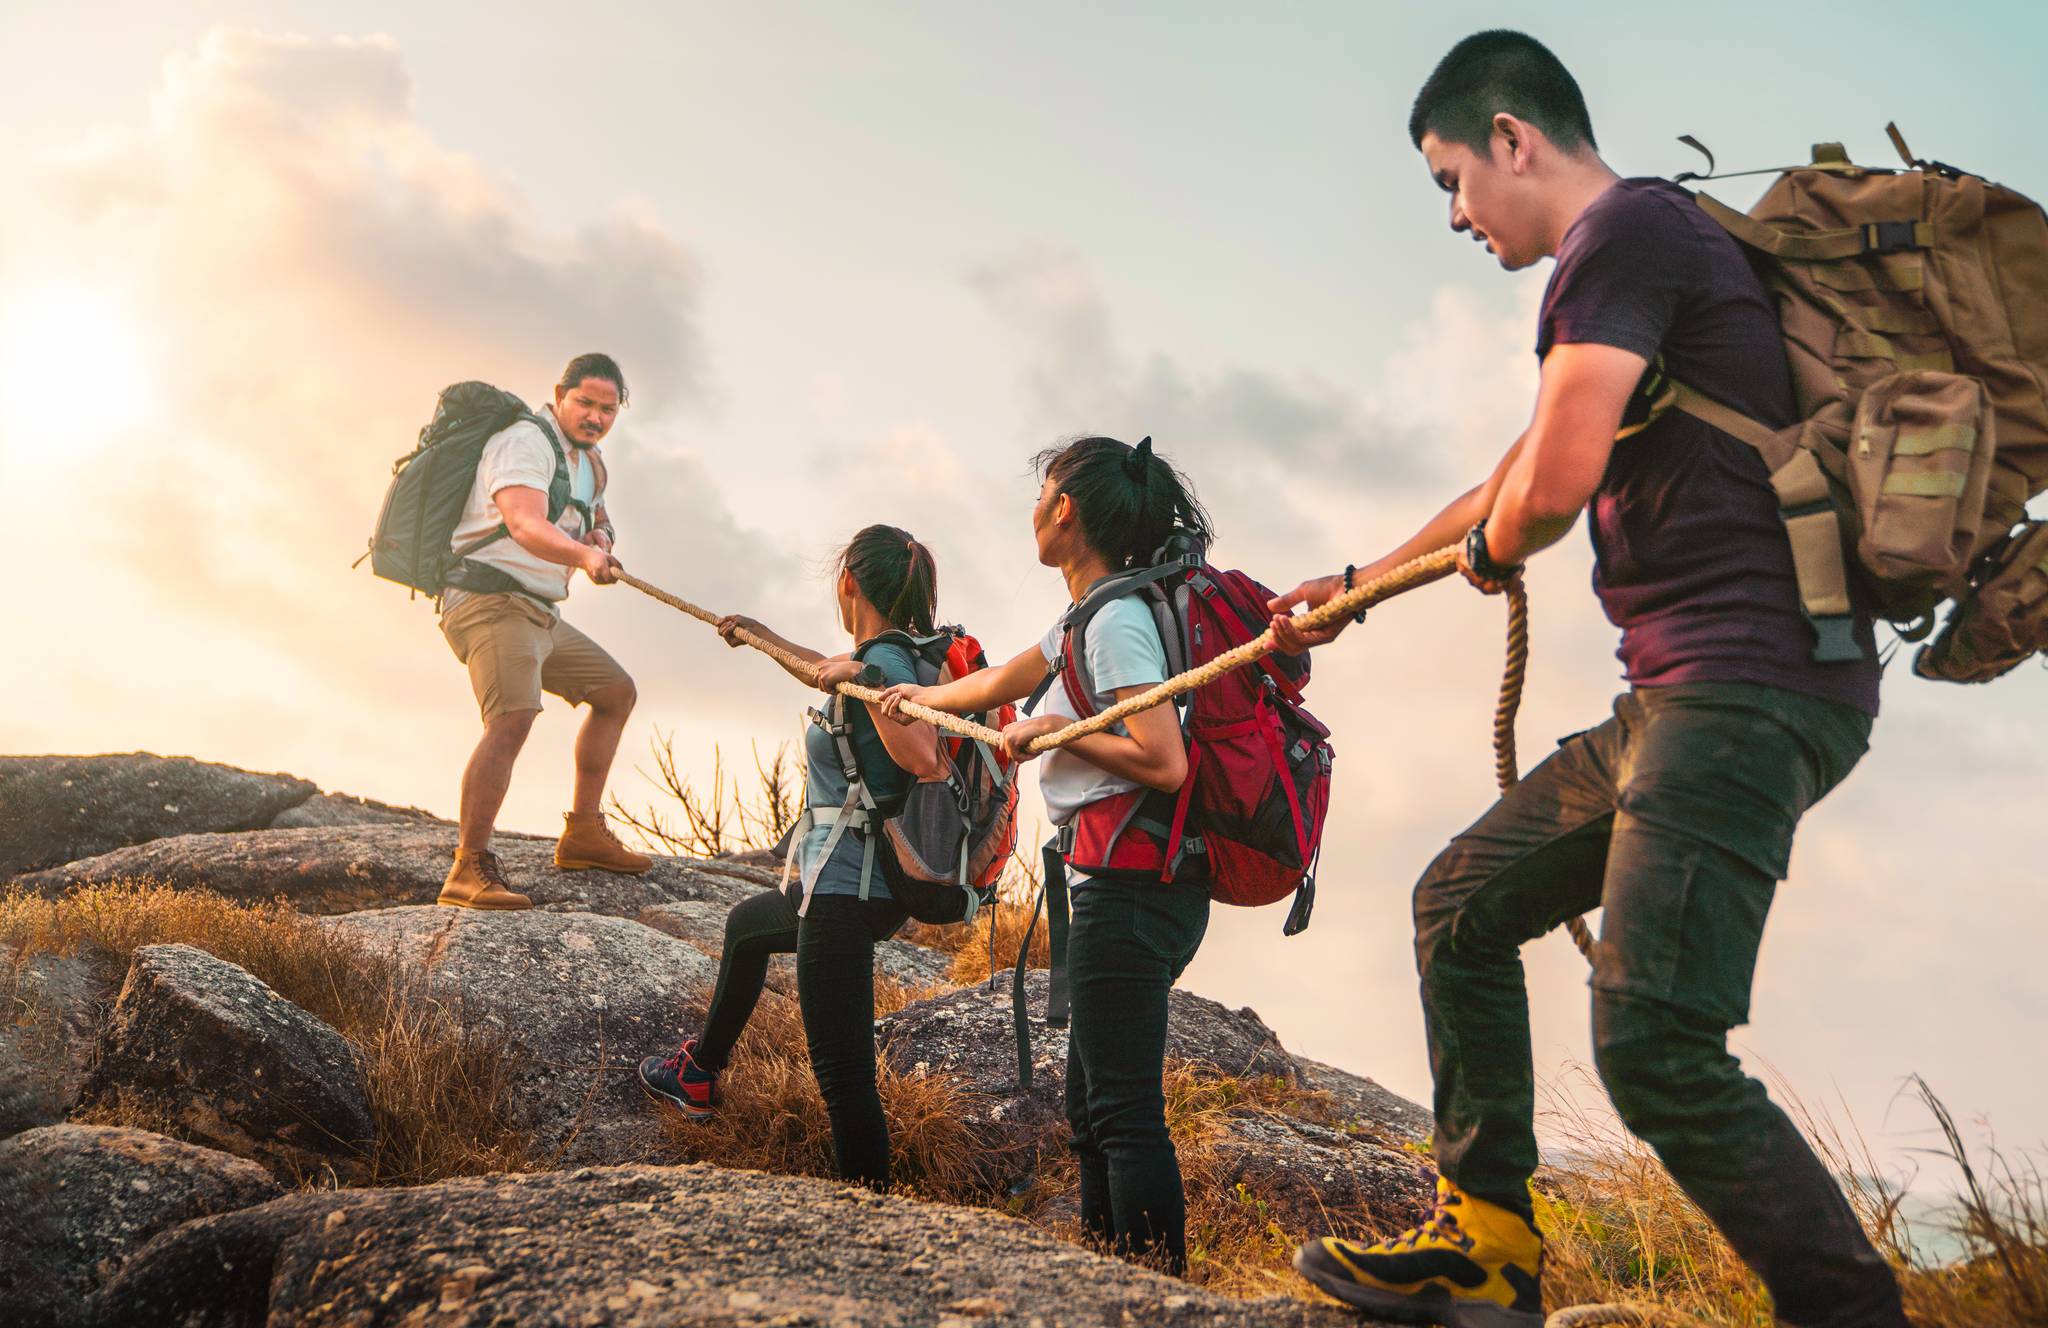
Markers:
point(1675, 816)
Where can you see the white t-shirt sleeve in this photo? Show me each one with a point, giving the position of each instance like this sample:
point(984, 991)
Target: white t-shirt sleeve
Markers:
point(1123, 646)
point(518, 457)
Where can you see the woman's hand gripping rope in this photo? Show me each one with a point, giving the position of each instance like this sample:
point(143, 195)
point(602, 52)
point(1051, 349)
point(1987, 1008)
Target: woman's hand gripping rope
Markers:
point(1323, 622)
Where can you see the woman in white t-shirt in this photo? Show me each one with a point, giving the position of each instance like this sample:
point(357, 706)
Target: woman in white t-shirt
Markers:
point(1106, 508)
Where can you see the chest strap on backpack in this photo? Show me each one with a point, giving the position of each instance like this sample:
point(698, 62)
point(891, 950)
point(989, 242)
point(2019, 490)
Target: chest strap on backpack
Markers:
point(857, 813)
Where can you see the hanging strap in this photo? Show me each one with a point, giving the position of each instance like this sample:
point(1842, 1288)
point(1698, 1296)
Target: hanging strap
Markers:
point(1813, 526)
point(1059, 1000)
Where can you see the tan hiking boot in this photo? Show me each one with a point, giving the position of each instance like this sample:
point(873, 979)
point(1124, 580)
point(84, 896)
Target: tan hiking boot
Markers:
point(476, 881)
point(587, 842)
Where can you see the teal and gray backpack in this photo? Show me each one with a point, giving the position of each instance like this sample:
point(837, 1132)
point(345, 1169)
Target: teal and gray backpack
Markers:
point(430, 485)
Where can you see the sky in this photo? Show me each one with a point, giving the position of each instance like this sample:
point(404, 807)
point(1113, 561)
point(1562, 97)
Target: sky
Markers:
point(859, 263)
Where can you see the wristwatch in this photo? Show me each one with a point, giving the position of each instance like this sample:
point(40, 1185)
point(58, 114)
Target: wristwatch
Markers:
point(1480, 558)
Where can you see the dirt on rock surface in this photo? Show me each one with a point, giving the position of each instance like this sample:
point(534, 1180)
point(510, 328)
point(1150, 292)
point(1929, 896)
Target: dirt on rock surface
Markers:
point(62, 808)
point(633, 1246)
point(341, 869)
point(76, 1200)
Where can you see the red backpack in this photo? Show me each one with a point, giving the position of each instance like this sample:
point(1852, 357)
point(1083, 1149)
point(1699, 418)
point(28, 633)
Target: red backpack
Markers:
point(1248, 820)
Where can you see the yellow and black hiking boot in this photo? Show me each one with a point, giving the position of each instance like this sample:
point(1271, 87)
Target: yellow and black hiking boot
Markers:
point(1472, 1265)
point(587, 843)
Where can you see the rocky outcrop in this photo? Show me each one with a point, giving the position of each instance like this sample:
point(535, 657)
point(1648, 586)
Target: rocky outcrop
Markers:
point(50, 1009)
point(1357, 1101)
point(57, 809)
point(967, 1035)
point(578, 999)
point(341, 869)
point(220, 1058)
point(646, 1246)
point(76, 1200)
point(1303, 1168)
point(1320, 1180)
point(702, 924)
point(332, 809)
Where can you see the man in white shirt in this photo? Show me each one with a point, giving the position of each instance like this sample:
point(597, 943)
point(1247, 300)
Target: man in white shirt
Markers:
point(501, 617)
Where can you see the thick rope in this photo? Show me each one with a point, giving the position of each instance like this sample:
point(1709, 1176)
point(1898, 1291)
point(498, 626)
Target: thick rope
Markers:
point(1506, 767)
point(1408, 576)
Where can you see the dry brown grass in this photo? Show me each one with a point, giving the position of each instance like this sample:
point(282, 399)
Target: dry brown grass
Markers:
point(434, 1088)
point(990, 944)
point(1618, 1228)
point(772, 1118)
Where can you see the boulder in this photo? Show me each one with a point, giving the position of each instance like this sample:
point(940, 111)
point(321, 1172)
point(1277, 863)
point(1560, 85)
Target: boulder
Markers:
point(702, 924)
point(1317, 1180)
point(967, 1035)
point(578, 998)
point(76, 1200)
point(62, 808)
point(1357, 1102)
point(634, 1246)
point(331, 809)
point(53, 1005)
point(219, 1058)
point(339, 869)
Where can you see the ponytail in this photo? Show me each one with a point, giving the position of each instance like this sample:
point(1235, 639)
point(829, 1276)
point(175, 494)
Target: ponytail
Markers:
point(897, 575)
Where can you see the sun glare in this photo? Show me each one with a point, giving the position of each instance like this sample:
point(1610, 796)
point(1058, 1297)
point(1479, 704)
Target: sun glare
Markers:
point(74, 372)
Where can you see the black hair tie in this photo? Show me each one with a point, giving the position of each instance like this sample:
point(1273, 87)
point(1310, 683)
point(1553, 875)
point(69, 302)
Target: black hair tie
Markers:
point(1135, 468)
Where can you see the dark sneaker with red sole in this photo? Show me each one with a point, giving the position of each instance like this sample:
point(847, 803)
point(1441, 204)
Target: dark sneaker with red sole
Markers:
point(677, 1081)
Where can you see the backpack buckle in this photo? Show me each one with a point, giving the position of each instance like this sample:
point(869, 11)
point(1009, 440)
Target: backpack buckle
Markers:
point(1889, 237)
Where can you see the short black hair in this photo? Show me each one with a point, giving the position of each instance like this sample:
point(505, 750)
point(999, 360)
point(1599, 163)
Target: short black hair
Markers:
point(1496, 71)
point(594, 364)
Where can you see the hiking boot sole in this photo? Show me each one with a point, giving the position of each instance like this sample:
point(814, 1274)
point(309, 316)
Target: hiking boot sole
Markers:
point(1430, 1305)
point(684, 1105)
point(445, 902)
point(575, 864)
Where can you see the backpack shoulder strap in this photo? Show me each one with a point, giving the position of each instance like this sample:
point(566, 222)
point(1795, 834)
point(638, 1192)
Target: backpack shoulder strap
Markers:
point(1075, 621)
point(1813, 524)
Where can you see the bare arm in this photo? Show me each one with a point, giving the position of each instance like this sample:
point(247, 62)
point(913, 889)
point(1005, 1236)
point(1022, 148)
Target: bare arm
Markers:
point(525, 513)
point(1446, 527)
point(1154, 755)
point(1586, 389)
point(979, 691)
point(732, 624)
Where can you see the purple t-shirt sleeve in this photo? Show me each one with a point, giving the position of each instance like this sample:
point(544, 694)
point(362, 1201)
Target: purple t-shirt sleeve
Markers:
point(1622, 277)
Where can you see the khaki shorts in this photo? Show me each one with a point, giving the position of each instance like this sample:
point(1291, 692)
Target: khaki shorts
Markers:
point(515, 649)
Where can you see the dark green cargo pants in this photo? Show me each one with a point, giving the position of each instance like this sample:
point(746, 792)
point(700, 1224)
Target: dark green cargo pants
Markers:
point(1676, 818)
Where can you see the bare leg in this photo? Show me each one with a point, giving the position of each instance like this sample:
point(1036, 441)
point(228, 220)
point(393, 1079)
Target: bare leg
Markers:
point(597, 742)
point(488, 775)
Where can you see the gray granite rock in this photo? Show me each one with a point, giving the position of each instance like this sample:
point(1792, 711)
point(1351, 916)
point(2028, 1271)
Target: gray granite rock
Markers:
point(220, 1058)
point(76, 1200)
point(56, 809)
point(578, 998)
point(643, 1246)
point(340, 869)
point(50, 1010)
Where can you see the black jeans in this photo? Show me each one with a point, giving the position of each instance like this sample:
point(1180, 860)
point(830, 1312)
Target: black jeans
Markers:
point(834, 944)
point(1127, 943)
point(1676, 817)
